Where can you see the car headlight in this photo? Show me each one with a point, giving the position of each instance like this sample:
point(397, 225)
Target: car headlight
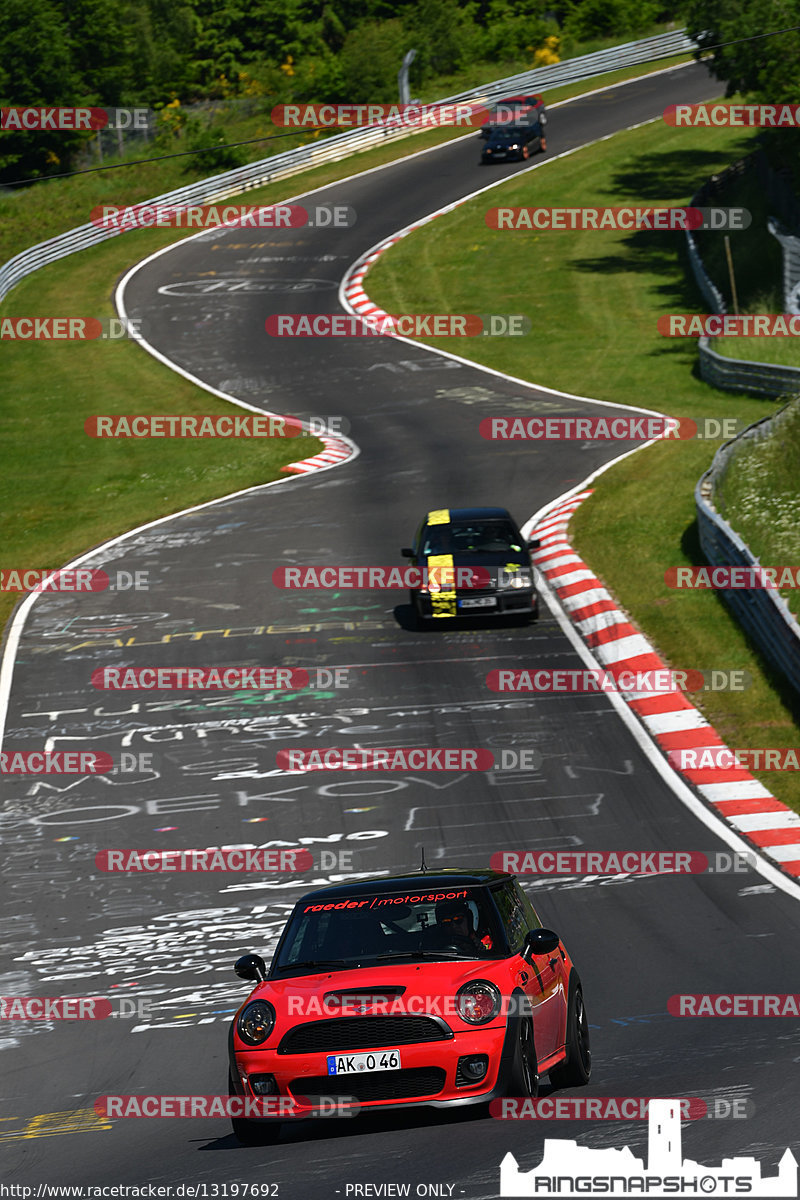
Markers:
point(519, 577)
point(256, 1022)
point(478, 1001)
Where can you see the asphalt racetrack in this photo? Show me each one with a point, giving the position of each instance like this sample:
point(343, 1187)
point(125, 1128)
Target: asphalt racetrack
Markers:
point(166, 942)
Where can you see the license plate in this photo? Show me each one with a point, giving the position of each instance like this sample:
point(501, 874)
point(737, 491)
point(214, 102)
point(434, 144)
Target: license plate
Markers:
point(500, 153)
point(478, 602)
point(352, 1064)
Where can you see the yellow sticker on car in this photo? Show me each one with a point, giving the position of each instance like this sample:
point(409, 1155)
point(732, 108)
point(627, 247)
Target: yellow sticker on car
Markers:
point(439, 516)
point(441, 585)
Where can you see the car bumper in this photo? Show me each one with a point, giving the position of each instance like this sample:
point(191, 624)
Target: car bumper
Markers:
point(510, 602)
point(432, 1066)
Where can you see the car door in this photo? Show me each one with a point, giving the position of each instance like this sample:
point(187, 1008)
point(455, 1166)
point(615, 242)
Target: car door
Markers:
point(541, 976)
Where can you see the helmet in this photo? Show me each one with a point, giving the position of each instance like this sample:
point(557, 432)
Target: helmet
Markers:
point(450, 910)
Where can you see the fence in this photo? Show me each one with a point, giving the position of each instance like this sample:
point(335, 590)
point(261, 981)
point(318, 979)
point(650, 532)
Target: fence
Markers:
point(332, 149)
point(761, 612)
point(738, 374)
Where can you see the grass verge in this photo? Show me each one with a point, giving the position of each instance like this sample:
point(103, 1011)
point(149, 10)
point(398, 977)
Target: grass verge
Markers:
point(759, 495)
point(594, 307)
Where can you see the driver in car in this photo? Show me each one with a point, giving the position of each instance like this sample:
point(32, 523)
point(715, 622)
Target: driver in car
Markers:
point(454, 918)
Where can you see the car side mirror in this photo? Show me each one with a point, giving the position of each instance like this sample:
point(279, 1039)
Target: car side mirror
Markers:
point(535, 543)
point(540, 941)
point(407, 552)
point(251, 967)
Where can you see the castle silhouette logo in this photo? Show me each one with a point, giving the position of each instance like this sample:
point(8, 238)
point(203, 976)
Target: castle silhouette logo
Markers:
point(568, 1169)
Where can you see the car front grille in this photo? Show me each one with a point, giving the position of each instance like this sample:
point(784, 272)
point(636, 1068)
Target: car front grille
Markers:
point(375, 1085)
point(362, 1033)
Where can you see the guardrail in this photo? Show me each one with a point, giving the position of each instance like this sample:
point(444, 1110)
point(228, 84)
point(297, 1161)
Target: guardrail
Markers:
point(280, 166)
point(762, 612)
point(739, 374)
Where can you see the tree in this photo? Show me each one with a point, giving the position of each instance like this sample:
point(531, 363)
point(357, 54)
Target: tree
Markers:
point(37, 70)
point(766, 69)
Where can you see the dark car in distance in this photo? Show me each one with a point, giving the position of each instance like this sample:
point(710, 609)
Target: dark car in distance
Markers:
point(473, 562)
point(526, 116)
point(509, 142)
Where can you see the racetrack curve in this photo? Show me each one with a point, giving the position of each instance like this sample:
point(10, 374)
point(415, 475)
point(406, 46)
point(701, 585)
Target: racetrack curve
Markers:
point(169, 939)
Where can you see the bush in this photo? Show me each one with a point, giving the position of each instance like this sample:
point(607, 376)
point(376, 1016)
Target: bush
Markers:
point(609, 18)
point(210, 138)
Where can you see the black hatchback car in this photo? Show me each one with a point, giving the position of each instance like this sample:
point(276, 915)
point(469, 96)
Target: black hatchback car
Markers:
point(523, 116)
point(473, 562)
point(509, 142)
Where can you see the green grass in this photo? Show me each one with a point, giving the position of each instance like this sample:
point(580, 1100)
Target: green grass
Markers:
point(61, 491)
point(759, 495)
point(594, 299)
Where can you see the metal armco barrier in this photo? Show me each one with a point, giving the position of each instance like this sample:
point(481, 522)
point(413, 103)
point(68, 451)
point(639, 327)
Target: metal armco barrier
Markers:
point(280, 166)
point(740, 374)
point(761, 612)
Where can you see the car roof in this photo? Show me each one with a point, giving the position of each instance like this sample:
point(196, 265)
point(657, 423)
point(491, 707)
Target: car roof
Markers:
point(529, 98)
point(427, 881)
point(475, 514)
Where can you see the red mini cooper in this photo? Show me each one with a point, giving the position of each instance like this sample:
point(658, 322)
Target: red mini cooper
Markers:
point(438, 988)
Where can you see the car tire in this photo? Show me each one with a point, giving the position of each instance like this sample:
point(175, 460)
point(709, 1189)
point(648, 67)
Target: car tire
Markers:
point(525, 153)
point(253, 1133)
point(420, 620)
point(543, 144)
point(577, 1066)
point(523, 1078)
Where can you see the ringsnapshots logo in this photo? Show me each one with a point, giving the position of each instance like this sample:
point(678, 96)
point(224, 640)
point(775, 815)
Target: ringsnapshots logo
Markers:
point(628, 219)
point(570, 1170)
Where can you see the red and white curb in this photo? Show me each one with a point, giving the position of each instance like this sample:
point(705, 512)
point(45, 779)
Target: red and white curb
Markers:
point(352, 292)
point(672, 722)
point(335, 451)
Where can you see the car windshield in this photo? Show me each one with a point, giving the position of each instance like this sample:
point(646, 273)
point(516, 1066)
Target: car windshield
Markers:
point(346, 931)
point(481, 536)
point(506, 135)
